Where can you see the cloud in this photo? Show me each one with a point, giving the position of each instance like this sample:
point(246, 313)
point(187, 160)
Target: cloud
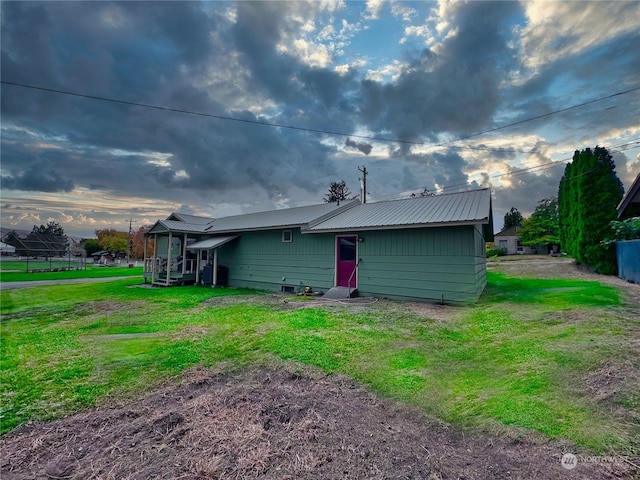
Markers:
point(452, 88)
point(553, 30)
point(363, 147)
point(464, 67)
point(39, 176)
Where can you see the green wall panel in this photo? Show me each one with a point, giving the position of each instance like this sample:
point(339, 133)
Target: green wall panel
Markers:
point(428, 264)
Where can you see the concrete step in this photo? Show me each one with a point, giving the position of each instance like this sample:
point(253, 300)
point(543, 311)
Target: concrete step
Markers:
point(340, 293)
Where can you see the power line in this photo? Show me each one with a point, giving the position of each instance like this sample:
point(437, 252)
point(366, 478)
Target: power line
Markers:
point(208, 115)
point(515, 173)
point(320, 131)
point(544, 115)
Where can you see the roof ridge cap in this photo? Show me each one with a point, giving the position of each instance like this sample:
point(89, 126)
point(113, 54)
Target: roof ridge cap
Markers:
point(431, 196)
point(347, 206)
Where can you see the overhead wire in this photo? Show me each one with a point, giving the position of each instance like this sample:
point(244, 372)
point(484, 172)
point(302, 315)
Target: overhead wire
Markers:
point(537, 117)
point(364, 137)
point(515, 173)
point(326, 132)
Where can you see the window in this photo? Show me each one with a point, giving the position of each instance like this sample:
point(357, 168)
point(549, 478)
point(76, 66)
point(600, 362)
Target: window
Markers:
point(503, 244)
point(347, 249)
point(287, 236)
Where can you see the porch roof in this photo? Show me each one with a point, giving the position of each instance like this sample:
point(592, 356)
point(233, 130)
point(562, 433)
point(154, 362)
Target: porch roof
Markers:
point(165, 226)
point(211, 243)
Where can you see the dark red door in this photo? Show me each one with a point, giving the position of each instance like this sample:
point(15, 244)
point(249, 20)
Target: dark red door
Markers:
point(346, 255)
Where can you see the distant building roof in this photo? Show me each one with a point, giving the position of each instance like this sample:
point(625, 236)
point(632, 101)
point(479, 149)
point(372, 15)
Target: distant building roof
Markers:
point(511, 231)
point(38, 244)
point(629, 206)
point(464, 208)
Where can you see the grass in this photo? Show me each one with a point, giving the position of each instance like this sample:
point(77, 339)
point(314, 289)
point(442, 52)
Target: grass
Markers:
point(8, 273)
point(513, 362)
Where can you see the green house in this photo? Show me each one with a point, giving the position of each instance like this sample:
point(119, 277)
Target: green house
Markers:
point(426, 248)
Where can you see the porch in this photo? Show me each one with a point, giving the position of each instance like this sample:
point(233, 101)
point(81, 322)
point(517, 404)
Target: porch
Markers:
point(181, 258)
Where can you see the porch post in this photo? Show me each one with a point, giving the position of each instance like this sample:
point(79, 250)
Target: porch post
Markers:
point(184, 255)
point(215, 267)
point(144, 262)
point(169, 259)
point(199, 254)
point(155, 258)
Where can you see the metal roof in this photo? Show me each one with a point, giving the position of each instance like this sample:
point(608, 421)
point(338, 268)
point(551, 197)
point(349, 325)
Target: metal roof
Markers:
point(194, 219)
point(465, 208)
point(163, 226)
point(630, 198)
point(210, 243)
point(286, 217)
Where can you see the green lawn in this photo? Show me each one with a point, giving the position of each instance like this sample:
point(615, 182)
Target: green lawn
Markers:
point(517, 361)
point(8, 272)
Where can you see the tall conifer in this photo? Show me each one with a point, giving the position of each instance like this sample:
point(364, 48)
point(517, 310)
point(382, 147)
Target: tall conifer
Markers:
point(588, 195)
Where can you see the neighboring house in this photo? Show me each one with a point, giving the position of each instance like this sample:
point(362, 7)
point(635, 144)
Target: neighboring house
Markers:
point(508, 240)
point(103, 257)
point(628, 251)
point(629, 206)
point(427, 248)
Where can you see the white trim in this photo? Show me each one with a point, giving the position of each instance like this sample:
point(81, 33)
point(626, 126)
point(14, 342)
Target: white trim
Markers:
point(290, 232)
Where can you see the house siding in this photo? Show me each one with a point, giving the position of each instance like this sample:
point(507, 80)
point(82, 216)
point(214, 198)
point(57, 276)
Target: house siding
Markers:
point(432, 264)
point(262, 260)
point(436, 264)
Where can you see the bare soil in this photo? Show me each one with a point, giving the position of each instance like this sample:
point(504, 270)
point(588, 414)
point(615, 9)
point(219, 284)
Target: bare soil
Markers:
point(287, 421)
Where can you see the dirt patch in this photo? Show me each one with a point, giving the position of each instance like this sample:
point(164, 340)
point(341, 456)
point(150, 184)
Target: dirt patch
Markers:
point(275, 424)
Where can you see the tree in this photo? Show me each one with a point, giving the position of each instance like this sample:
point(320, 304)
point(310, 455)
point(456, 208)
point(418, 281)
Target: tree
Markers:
point(424, 193)
point(112, 240)
point(512, 218)
point(137, 243)
point(57, 246)
point(338, 191)
point(588, 195)
point(542, 227)
point(52, 228)
point(90, 245)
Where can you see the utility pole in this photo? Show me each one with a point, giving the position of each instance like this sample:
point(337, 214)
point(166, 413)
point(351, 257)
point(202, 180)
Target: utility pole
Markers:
point(363, 183)
point(129, 241)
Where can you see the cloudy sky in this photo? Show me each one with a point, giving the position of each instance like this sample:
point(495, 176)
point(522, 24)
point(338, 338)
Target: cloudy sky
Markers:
point(262, 104)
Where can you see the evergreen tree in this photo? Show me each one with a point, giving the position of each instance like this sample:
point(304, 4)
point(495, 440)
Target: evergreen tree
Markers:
point(338, 191)
point(588, 195)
